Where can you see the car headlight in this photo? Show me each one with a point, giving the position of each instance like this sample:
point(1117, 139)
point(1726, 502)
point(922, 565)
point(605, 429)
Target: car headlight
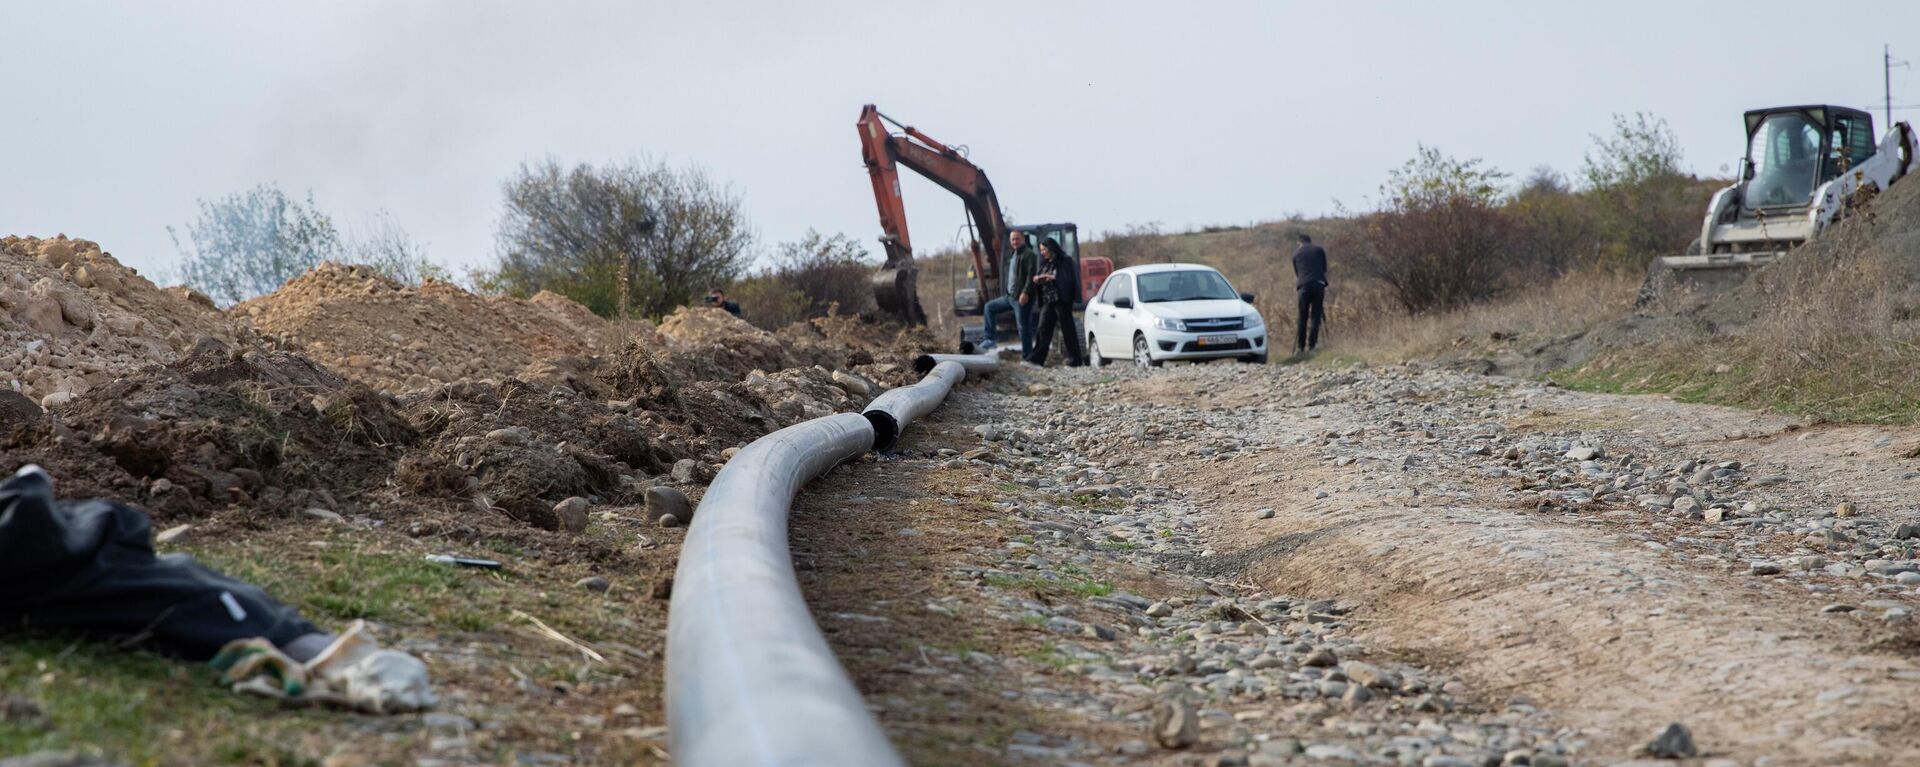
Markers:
point(1253, 321)
point(1168, 323)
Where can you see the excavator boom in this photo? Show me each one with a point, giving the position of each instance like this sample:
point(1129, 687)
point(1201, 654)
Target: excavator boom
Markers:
point(895, 286)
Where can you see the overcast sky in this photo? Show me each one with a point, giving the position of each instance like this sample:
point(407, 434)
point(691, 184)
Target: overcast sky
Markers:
point(118, 116)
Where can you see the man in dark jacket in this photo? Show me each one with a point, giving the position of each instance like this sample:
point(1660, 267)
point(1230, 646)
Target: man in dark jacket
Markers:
point(1310, 287)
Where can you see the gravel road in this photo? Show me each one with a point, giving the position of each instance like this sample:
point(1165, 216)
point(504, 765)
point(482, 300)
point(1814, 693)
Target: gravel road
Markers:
point(1291, 565)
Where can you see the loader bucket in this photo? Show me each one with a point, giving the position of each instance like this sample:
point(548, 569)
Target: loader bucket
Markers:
point(1699, 274)
point(897, 293)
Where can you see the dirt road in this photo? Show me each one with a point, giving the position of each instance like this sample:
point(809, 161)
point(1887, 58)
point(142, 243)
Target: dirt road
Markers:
point(1378, 566)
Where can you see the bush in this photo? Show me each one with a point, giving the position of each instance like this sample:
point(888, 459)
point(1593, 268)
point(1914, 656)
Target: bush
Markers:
point(1645, 205)
point(1440, 238)
point(571, 231)
point(768, 302)
point(827, 272)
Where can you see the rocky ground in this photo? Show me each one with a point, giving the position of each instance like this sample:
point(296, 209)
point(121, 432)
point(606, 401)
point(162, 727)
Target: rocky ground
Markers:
point(1237, 565)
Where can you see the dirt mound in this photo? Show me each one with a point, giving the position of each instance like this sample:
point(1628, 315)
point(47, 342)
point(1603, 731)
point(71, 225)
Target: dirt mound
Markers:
point(221, 427)
point(72, 318)
point(400, 338)
point(698, 343)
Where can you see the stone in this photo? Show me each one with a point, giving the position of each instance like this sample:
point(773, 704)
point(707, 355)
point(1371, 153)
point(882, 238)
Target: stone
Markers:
point(1263, 514)
point(1321, 658)
point(1845, 509)
point(1356, 695)
point(1159, 610)
point(663, 500)
point(1715, 515)
point(57, 759)
point(1906, 531)
point(686, 471)
point(1039, 389)
point(572, 514)
point(593, 583)
point(325, 515)
point(56, 399)
point(1763, 568)
point(853, 384)
point(1175, 724)
point(1584, 453)
point(1673, 742)
point(1096, 631)
point(512, 435)
point(668, 520)
point(1372, 676)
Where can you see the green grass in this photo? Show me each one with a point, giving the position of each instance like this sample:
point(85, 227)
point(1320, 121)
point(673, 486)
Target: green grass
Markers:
point(1072, 583)
point(1849, 391)
point(346, 583)
point(106, 700)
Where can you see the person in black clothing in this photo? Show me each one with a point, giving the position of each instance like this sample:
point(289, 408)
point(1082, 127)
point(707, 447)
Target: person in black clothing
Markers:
point(1310, 287)
point(718, 298)
point(1057, 280)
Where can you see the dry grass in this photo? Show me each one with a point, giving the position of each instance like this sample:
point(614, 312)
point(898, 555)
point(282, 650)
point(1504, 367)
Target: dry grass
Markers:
point(1574, 302)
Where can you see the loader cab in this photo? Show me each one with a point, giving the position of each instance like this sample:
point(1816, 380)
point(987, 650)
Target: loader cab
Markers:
point(1791, 151)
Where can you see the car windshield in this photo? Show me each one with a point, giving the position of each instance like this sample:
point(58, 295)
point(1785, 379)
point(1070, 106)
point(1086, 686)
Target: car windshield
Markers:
point(1184, 285)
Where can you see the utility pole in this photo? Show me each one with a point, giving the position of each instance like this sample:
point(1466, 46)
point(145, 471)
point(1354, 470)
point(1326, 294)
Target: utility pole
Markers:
point(1886, 78)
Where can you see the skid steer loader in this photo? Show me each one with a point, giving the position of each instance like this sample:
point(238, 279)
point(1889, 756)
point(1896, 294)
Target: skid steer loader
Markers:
point(1806, 167)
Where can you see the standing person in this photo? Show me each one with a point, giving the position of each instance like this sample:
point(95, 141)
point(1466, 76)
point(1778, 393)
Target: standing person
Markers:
point(1018, 272)
point(1056, 283)
point(1310, 287)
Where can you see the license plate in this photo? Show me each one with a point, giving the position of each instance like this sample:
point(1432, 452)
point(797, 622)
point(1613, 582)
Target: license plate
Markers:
point(1211, 340)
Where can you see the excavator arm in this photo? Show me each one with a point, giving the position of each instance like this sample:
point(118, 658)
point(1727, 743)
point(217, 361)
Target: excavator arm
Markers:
point(895, 287)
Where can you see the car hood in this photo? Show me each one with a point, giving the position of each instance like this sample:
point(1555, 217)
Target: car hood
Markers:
point(1200, 310)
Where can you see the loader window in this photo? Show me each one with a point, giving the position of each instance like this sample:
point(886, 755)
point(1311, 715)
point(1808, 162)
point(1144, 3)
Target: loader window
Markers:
point(1786, 159)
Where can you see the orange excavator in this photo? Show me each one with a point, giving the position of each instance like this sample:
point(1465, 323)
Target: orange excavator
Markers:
point(896, 285)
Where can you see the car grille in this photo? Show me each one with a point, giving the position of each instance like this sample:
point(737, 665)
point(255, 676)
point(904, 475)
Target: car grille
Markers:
point(1214, 325)
point(1195, 346)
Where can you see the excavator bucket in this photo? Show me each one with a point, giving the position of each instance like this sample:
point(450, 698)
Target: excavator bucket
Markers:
point(896, 290)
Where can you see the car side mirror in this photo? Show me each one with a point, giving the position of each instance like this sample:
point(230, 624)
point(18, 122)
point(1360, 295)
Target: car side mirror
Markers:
point(1123, 303)
point(1746, 169)
point(1247, 297)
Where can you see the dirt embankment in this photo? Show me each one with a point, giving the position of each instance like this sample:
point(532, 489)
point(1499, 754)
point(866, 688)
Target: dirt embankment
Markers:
point(349, 392)
point(72, 319)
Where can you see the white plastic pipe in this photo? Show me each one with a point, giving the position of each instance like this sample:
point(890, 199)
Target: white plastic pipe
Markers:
point(750, 680)
point(891, 412)
point(976, 364)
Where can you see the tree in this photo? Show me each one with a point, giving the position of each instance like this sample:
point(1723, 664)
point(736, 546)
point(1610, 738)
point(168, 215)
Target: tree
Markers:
point(250, 243)
point(673, 232)
point(828, 271)
point(1439, 238)
point(1645, 203)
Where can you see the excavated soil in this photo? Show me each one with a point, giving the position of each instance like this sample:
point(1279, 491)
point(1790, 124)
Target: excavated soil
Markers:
point(73, 319)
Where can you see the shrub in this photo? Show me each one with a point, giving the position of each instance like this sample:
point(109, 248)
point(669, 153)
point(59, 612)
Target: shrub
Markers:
point(676, 231)
point(1439, 238)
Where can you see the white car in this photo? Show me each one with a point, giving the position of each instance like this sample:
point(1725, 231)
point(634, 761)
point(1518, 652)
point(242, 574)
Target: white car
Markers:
point(1173, 312)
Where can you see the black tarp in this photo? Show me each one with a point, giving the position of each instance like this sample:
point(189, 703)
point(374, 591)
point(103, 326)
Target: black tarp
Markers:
point(89, 567)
